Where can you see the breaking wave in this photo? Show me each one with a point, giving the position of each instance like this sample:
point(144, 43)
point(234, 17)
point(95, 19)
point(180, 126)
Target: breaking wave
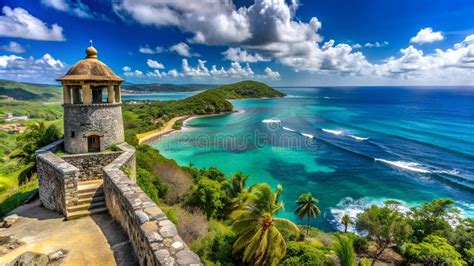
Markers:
point(410, 166)
point(271, 121)
point(335, 132)
point(307, 135)
point(357, 137)
point(288, 129)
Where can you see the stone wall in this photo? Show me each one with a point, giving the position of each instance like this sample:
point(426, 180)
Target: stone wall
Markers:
point(154, 237)
point(91, 164)
point(57, 179)
point(103, 119)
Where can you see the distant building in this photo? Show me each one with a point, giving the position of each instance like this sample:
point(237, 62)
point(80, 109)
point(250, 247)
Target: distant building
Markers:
point(10, 117)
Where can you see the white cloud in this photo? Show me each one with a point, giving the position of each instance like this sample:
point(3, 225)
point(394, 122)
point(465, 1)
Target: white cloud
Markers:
point(56, 4)
point(147, 50)
point(199, 71)
point(13, 47)
point(216, 22)
point(133, 73)
point(183, 50)
point(47, 59)
point(20, 24)
point(375, 44)
point(126, 69)
point(427, 35)
point(356, 46)
point(271, 74)
point(44, 69)
point(75, 8)
point(453, 64)
point(154, 64)
point(241, 55)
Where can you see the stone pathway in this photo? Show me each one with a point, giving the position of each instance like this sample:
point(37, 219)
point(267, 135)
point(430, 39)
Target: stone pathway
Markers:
point(92, 240)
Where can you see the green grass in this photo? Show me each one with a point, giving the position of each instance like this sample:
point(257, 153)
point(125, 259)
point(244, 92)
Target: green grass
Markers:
point(15, 196)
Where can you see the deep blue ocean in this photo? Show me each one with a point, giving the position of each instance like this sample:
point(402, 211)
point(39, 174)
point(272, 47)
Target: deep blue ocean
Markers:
point(349, 147)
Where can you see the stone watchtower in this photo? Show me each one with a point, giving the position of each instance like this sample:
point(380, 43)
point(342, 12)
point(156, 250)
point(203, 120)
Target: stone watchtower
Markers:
point(92, 106)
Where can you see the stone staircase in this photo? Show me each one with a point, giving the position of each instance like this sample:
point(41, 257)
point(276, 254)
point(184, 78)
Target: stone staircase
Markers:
point(91, 200)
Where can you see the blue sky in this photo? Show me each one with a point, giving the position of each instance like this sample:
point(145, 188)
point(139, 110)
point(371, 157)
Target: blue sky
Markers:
point(339, 42)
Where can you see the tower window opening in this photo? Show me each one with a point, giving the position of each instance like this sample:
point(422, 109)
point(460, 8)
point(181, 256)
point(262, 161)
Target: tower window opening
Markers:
point(97, 95)
point(73, 134)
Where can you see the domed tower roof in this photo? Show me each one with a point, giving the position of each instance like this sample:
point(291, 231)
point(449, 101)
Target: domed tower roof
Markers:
point(90, 68)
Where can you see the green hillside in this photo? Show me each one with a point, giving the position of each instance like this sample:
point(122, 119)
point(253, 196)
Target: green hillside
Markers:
point(247, 89)
point(29, 91)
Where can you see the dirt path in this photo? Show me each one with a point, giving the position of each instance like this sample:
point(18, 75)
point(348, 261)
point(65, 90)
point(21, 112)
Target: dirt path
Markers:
point(154, 134)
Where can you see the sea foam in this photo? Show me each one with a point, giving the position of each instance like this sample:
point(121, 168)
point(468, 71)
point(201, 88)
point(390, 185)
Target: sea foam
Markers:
point(410, 166)
point(335, 132)
point(271, 121)
point(288, 129)
point(357, 137)
point(307, 135)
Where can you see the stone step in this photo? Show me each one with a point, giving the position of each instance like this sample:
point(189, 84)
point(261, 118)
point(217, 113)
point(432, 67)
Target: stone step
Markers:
point(90, 194)
point(83, 213)
point(91, 199)
point(86, 206)
point(87, 186)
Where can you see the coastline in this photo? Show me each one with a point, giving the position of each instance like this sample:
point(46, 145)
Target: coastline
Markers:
point(152, 137)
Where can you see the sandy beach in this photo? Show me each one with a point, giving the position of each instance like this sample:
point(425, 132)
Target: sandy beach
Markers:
point(151, 136)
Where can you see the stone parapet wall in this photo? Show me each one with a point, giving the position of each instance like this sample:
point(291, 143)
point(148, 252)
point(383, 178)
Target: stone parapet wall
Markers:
point(57, 179)
point(154, 237)
point(91, 164)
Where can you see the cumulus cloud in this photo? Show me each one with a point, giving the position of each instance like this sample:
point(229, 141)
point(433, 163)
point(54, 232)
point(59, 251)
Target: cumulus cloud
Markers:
point(13, 47)
point(183, 49)
point(271, 74)
point(241, 55)
point(375, 44)
point(154, 64)
point(75, 8)
point(455, 63)
point(356, 46)
point(20, 24)
point(43, 69)
point(147, 50)
point(128, 72)
point(235, 71)
point(216, 22)
point(427, 35)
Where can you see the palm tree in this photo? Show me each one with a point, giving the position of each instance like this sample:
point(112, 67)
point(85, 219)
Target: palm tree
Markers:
point(346, 221)
point(258, 232)
point(345, 250)
point(237, 182)
point(306, 207)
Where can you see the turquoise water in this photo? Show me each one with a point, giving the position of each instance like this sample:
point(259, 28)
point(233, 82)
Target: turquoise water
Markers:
point(349, 147)
point(162, 96)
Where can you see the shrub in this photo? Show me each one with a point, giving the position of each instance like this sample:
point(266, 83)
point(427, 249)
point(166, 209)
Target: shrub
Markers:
point(364, 262)
point(300, 253)
point(211, 196)
point(215, 248)
point(360, 243)
point(151, 184)
point(433, 250)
